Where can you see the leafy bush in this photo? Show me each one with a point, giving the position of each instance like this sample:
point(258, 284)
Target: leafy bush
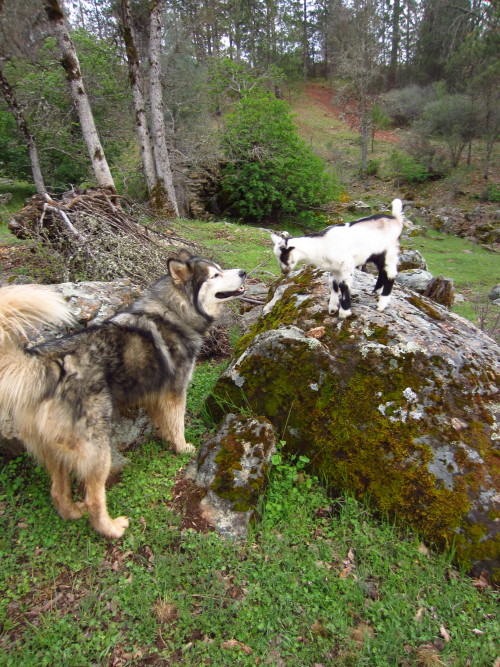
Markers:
point(271, 170)
point(407, 169)
point(492, 193)
point(454, 118)
point(405, 105)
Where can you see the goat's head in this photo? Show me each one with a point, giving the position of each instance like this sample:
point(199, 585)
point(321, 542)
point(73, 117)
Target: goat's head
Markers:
point(285, 253)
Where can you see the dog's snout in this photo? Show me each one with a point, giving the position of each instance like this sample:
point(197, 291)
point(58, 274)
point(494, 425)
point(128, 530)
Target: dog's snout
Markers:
point(242, 274)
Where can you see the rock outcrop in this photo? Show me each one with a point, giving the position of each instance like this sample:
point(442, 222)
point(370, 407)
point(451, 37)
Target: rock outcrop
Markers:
point(400, 406)
point(230, 473)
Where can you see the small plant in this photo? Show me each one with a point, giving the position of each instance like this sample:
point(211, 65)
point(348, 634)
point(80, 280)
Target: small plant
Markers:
point(407, 169)
point(492, 193)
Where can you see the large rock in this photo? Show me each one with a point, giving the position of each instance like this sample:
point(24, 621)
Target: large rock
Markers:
point(230, 473)
point(399, 406)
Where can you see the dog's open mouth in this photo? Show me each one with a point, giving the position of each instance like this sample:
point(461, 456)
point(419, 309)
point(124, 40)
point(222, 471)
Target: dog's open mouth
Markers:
point(227, 295)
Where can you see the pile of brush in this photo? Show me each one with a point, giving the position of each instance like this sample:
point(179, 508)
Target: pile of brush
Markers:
point(97, 236)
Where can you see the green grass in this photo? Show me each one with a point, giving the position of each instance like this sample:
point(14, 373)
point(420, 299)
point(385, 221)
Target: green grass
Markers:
point(233, 245)
point(318, 581)
point(473, 269)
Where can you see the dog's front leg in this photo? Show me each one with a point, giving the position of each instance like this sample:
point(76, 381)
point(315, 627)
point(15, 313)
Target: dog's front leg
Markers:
point(167, 414)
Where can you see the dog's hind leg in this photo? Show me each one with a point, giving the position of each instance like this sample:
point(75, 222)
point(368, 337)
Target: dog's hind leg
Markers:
point(167, 414)
point(61, 489)
point(95, 494)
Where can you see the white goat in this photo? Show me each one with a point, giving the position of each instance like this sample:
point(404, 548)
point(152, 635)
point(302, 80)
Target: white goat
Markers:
point(340, 249)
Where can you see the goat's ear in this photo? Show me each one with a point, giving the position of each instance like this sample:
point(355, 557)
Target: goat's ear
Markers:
point(179, 270)
point(277, 240)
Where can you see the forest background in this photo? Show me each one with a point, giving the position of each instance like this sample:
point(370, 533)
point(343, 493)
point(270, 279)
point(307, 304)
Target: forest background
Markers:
point(173, 87)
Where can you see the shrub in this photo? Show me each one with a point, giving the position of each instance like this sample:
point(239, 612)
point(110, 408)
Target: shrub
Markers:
point(271, 170)
point(405, 105)
point(492, 193)
point(407, 169)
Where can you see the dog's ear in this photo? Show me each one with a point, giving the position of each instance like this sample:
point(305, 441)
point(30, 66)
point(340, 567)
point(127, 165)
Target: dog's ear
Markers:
point(179, 270)
point(185, 254)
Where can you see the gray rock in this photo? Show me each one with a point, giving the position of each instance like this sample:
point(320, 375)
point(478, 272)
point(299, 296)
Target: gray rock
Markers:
point(410, 258)
point(415, 279)
point(400, 406)
point(231, 469)
point(495, 293)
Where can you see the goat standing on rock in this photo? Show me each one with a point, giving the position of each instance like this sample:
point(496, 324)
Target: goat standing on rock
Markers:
point(340, 249)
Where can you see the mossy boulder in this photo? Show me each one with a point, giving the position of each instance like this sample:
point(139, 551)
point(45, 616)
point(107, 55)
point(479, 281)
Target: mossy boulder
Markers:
point(231, 472)
point(400, 406)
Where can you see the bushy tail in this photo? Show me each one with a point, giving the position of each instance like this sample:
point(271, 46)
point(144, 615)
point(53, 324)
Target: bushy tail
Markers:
point(23, 307)
point(26, 306)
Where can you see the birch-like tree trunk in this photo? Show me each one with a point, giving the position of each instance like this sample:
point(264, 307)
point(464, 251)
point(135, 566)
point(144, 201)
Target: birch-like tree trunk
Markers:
point(23, 128)
point(136, 83)
point(164, 193)
point(79, 96)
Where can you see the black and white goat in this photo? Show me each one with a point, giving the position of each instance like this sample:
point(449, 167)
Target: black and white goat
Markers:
point(340, 249)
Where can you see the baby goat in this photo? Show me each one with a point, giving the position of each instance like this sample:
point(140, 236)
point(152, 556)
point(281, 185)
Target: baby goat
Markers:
point(340, 249)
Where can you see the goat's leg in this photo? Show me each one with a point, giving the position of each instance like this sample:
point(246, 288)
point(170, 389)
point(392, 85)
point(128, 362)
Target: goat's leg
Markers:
point(345, 300)
point(333, 304)
point(389, 272)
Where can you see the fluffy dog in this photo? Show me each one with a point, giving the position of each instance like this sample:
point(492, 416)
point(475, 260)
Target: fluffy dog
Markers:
point(59, 397)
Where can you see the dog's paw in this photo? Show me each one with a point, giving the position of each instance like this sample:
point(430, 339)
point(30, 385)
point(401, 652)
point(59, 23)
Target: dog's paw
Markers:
point(186, 448)
point(116, 527)
point(343, 314)
point(77, 510)
point(71, 511)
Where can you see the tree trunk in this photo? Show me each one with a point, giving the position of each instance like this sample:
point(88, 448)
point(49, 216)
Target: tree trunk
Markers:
point(164, 193)
point(9, 96)
point(141, 121)
point(304, 40)
point(79, 96)
point(393, 65)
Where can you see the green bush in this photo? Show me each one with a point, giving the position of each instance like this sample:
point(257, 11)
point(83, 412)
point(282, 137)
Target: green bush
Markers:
point(407, 169)
point(492, 193)
point(271, 171)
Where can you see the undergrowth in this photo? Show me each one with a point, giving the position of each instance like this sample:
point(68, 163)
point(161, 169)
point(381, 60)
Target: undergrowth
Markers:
point(319, 580)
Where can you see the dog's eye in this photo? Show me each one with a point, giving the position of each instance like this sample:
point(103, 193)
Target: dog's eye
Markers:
point(216, 275)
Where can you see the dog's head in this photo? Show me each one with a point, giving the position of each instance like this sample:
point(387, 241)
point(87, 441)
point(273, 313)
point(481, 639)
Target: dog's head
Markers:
point(285, 253)
point(205, 282)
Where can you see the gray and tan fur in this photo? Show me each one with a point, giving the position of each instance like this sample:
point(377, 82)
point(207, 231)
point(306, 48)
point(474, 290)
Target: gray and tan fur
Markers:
point(60, 397)
point(340, 249)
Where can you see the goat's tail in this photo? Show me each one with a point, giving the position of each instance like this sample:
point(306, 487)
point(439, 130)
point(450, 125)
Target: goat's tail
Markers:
point(397, 210)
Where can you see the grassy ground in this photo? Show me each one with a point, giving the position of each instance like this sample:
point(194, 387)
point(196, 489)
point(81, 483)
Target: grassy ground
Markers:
point(319, 581)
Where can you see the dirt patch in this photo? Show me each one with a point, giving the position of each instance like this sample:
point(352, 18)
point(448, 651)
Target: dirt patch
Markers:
point(187, 497)
point(324, 97)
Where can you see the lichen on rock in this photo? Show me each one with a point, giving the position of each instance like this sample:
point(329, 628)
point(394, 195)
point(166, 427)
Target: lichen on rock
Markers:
point(399, 406)
point(231, 468)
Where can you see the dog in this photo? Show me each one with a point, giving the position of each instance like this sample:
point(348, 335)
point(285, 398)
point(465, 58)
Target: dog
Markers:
point(59, 397)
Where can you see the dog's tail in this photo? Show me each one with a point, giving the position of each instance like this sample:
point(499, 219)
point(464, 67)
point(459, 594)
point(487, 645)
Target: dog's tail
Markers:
point(21, 308)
